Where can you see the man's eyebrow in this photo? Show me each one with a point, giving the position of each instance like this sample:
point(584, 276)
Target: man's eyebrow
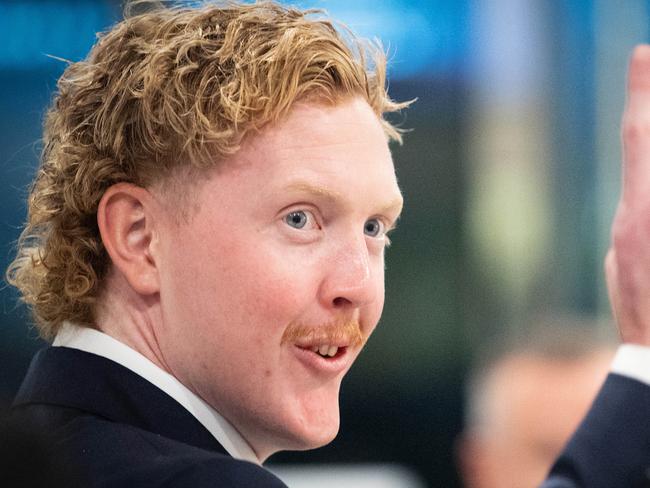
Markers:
point(304, 187)
point(394, 206)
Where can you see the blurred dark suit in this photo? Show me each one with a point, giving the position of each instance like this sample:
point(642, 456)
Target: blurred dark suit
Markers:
point(611, 448)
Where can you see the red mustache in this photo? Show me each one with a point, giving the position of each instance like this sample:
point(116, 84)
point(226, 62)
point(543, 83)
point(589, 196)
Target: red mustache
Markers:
point(342, 331)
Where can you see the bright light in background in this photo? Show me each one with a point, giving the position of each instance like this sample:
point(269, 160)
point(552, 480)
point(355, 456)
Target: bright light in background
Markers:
point(423, 38)
point(508, 61)
point(348, 476)
point(509, 152)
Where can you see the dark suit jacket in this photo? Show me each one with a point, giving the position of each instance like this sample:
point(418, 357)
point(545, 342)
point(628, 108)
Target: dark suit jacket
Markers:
point(611, 448)
point(118, 430)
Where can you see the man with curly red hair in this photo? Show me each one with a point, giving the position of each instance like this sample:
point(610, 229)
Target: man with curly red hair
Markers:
point(205, 247)
point(205, 242)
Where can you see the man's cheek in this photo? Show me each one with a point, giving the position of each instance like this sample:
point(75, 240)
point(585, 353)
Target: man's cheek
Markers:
point(280, 286)
point(277, 302)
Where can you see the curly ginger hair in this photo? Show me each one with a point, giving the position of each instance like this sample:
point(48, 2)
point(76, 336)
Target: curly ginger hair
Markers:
point(166, 89)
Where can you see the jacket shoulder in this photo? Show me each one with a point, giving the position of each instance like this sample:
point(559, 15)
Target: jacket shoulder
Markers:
point(110, 454)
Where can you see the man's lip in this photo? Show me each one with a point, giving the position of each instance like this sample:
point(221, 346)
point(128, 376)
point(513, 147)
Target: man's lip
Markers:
point(316, 342)
point(329, 366)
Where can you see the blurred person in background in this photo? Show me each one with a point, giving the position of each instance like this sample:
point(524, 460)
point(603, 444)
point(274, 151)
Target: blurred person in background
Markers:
point(525, 399)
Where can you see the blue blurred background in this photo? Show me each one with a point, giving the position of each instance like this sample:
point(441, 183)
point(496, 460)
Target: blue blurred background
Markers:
point(510, 175)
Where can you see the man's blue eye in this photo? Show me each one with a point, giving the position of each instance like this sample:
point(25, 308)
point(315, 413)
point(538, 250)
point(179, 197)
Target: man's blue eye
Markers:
point(297, 219)
point(372, 228)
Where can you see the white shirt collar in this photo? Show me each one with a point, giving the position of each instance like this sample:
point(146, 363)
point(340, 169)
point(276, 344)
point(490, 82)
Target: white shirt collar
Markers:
point(96, 342)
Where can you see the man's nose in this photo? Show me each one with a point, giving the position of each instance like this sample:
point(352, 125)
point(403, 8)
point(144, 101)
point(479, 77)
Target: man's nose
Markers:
point(350, 280)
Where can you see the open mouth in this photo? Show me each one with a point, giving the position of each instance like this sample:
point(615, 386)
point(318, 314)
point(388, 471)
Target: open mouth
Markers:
point(327, 351)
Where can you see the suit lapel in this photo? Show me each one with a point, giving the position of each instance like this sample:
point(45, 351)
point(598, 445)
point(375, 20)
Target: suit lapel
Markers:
point(96, 385)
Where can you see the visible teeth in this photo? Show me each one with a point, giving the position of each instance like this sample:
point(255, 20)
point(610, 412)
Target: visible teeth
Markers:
point(325, 350)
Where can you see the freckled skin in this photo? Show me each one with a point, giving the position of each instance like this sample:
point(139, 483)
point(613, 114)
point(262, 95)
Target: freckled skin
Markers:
point(236, 275)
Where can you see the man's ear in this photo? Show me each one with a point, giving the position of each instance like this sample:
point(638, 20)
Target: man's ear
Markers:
point(126, 223)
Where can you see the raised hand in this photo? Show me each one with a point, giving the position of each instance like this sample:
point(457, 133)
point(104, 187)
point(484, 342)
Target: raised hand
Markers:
point(627, 264)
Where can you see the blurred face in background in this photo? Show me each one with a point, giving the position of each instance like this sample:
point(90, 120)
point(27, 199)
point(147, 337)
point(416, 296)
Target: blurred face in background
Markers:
point(533, 406)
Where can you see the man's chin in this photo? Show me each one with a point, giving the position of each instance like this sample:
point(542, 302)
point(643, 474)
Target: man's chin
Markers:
point(314, 431)
point(301, 440)
point(300, 419)
point(312, 441)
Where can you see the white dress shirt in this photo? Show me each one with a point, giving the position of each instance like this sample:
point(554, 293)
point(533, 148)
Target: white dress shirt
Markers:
point(96, 342)
point(633, 361)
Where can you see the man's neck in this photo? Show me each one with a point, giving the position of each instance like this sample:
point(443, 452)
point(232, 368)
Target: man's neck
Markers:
point(130, 318)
